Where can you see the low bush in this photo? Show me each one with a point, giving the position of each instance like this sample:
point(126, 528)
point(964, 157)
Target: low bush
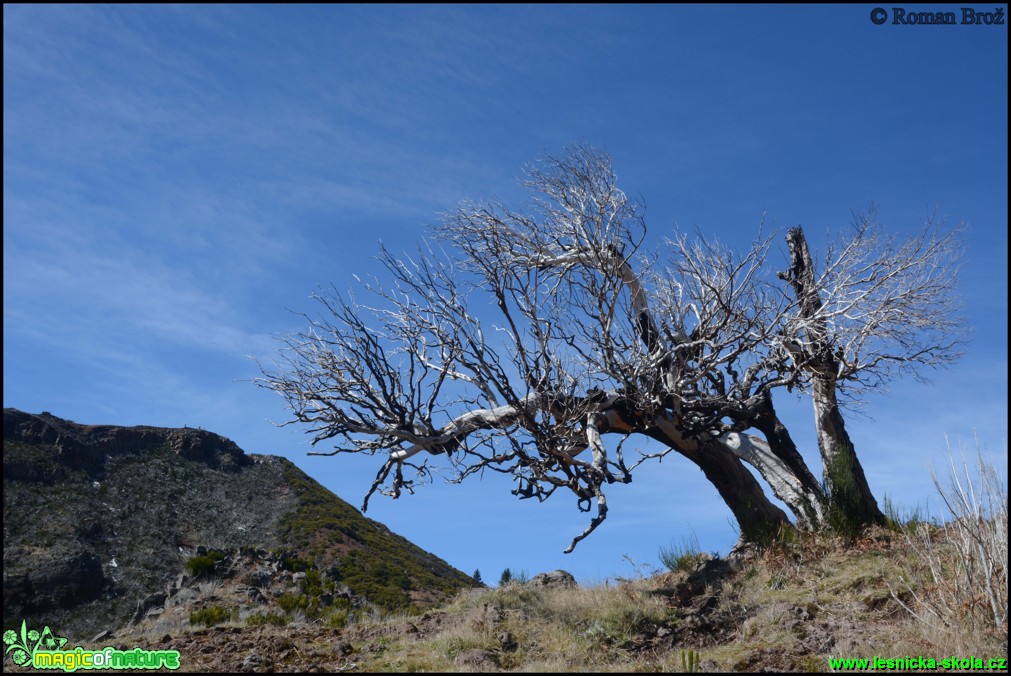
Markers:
point(210, 616)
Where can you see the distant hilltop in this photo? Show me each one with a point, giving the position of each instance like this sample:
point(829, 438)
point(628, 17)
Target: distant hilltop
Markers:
point(107, 525)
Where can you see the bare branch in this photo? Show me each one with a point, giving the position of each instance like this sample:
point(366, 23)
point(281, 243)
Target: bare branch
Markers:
point(514, 341)
point(884, 308)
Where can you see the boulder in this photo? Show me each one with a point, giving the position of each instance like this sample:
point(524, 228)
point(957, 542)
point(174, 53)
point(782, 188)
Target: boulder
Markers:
point(558, 579)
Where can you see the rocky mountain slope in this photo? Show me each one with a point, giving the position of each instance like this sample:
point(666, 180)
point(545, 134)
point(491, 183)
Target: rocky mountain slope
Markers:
point(810, 605)
point(106, 526)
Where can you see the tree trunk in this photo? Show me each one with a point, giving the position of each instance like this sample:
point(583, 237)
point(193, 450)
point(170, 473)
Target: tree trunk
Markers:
point(810, 505)
point(852, 503)
point(805, 501)
point(849, 494)
point(759, 519)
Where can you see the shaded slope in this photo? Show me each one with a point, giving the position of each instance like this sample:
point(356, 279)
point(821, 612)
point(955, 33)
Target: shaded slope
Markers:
point(99, 518)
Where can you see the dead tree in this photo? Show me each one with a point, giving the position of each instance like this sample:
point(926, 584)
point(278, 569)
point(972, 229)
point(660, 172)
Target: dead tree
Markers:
point(538, 343)
point(877, 309)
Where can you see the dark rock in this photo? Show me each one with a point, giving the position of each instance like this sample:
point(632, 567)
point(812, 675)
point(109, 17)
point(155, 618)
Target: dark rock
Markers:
point(86, 446)
point(260, 577)
point(486, 616)
point(101, 522)
point(17, 590)
point(62, 579)
point(507, 642)
point(253, 661)
point(708, 576)
point(149, 602)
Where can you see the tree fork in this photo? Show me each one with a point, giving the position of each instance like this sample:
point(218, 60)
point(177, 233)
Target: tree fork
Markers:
point(847, 487)
point(764, 418)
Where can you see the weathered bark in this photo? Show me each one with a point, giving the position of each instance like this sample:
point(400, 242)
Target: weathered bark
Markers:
point(845, 481)
point(808, 505)
point(758, 518)
point(775, 458)
point(805, 501)
point(846, 484)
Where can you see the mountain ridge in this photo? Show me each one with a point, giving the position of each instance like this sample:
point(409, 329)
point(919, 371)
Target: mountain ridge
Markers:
point(101, 519)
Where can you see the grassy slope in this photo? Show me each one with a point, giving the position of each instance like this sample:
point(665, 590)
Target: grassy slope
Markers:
point(791, 609)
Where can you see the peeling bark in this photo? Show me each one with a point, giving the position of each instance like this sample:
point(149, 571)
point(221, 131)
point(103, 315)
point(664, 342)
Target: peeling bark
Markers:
point(805, 501)
point(809, 506)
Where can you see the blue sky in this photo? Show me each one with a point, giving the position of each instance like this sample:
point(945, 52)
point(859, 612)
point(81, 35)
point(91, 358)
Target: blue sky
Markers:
point(178, 179)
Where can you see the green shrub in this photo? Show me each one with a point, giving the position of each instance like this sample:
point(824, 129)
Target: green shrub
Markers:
point(271, 618)
point(339, 618)
point(682, 557)
point(900, 520)
point(293, 563)
point(203, 565)
point(383, 569)
point(291, 602)
point(848, 513)
point(210, 616)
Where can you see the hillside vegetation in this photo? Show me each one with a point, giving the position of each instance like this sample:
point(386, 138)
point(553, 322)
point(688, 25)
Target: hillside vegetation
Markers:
point(792, 608)
point(104, 525)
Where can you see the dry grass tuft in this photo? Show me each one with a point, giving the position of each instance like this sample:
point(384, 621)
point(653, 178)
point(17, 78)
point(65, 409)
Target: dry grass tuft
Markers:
point(961, 595)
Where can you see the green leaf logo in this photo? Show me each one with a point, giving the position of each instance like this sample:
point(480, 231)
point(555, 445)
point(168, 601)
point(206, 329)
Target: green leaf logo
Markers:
point(21, 647)
point(49, 641)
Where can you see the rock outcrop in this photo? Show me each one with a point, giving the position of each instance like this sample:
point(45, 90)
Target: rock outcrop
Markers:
point(554, 580)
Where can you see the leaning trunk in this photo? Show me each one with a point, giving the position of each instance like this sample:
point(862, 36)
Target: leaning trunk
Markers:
point(805, 501)
point(759, 519)
point(808, 501)
point(852, 505)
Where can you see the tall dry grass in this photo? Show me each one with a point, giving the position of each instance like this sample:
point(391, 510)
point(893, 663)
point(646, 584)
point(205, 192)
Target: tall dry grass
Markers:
point(963, 603)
